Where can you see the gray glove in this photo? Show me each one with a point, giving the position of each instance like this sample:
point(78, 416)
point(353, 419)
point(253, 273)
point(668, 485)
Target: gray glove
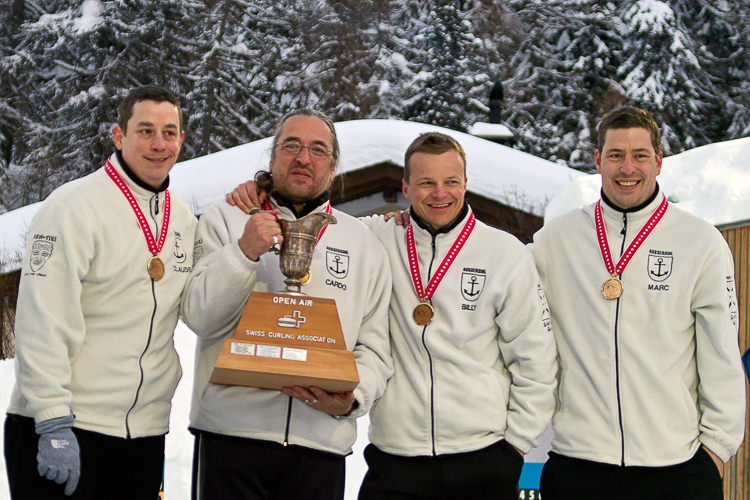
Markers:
point(59, 458)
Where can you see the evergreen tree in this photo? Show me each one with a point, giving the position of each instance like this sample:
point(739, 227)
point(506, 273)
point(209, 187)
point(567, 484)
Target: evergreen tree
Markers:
point(444, 50)
point(662, 74)
point(720, 31)
point(220, 60)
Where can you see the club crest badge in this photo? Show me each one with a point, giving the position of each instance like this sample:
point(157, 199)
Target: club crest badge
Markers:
point(472, 285)
point(337, 264)
point(41, 251)
point(660, 265)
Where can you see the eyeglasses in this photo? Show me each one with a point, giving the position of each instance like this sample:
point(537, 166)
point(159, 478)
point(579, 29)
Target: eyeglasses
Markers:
point(294, 148)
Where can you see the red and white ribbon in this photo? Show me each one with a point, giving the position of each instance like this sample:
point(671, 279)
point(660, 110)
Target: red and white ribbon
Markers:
point(153, 246)
point(411, 249)
point(601, 234)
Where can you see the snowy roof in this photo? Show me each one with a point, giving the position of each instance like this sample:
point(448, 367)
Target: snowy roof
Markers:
point(515, 178)
point(491, 130)
point(712, 182)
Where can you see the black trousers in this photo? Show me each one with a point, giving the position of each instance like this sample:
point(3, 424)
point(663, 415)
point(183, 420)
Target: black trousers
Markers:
point(232, 468)
point(111, 467)
point(489, 473)
point(565, 478)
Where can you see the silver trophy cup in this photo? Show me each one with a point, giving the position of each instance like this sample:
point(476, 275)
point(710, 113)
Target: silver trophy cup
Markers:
point(295, 255)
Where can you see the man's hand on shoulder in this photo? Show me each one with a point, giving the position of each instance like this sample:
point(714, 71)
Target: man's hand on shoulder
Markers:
point(246, 197)
point(401, 216)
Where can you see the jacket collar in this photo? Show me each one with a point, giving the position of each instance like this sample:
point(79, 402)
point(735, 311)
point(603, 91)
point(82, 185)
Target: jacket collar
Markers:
point(289, 210)
point(645, 209)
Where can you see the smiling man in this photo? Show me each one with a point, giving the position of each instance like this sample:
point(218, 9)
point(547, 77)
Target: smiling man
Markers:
point(98, 303)
point(474, 355)
point(651, 392)
point(290, 444)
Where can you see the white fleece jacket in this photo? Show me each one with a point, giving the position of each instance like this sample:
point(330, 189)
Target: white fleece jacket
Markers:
point(644, 379)
point(93, 331)
point(349, 265)
point(484, 368)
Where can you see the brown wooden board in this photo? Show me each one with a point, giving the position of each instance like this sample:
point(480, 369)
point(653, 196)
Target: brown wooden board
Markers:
point(268, 318)
point(332, 370)
point(283, 340)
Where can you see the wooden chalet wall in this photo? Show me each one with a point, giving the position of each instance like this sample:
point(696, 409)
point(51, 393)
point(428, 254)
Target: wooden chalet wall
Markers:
point(737, 470)
point(8, 295)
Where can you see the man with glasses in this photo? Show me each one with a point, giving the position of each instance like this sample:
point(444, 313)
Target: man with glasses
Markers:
point(257, 443)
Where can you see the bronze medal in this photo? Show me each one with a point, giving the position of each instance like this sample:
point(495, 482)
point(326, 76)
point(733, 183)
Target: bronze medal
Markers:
point(423, 313)
point(155, 268)
point(612, 288)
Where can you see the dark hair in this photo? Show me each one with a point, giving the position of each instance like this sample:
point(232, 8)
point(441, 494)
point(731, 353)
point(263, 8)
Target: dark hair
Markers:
point(316, 114)
point(145, 93)
point(629, 117)
point(433, 143)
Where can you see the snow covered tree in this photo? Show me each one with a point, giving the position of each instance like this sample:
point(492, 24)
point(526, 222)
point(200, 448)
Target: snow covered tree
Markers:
point(562, 78)
point(661, 73)
point(219, 60)
point(71, 64)
point(344, 47)
point(721, 34)
point(444, 50)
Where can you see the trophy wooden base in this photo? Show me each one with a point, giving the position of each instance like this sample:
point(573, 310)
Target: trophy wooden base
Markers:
point(284, 340)
point(331, 370)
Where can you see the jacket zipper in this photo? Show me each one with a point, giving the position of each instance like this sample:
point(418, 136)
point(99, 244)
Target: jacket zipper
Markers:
point(140, 360)
point(429, 357)
point(153, 212)
point(623, 232)
point(288, 421)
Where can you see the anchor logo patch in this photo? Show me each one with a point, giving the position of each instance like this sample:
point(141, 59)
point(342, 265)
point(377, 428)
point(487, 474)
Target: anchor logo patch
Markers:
point(472, 285)
point(179, 253)
point(660, 265)
point(337, 264)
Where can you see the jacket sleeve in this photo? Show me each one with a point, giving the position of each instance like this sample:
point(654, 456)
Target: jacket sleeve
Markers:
point(372, 351)
point(50, 325)
point(721, 387)
point(529, 352)
point(221, 280)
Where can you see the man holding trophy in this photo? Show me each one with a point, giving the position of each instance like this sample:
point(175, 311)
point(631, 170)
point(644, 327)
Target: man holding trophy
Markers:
point(473, 350)
point(261, 443)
